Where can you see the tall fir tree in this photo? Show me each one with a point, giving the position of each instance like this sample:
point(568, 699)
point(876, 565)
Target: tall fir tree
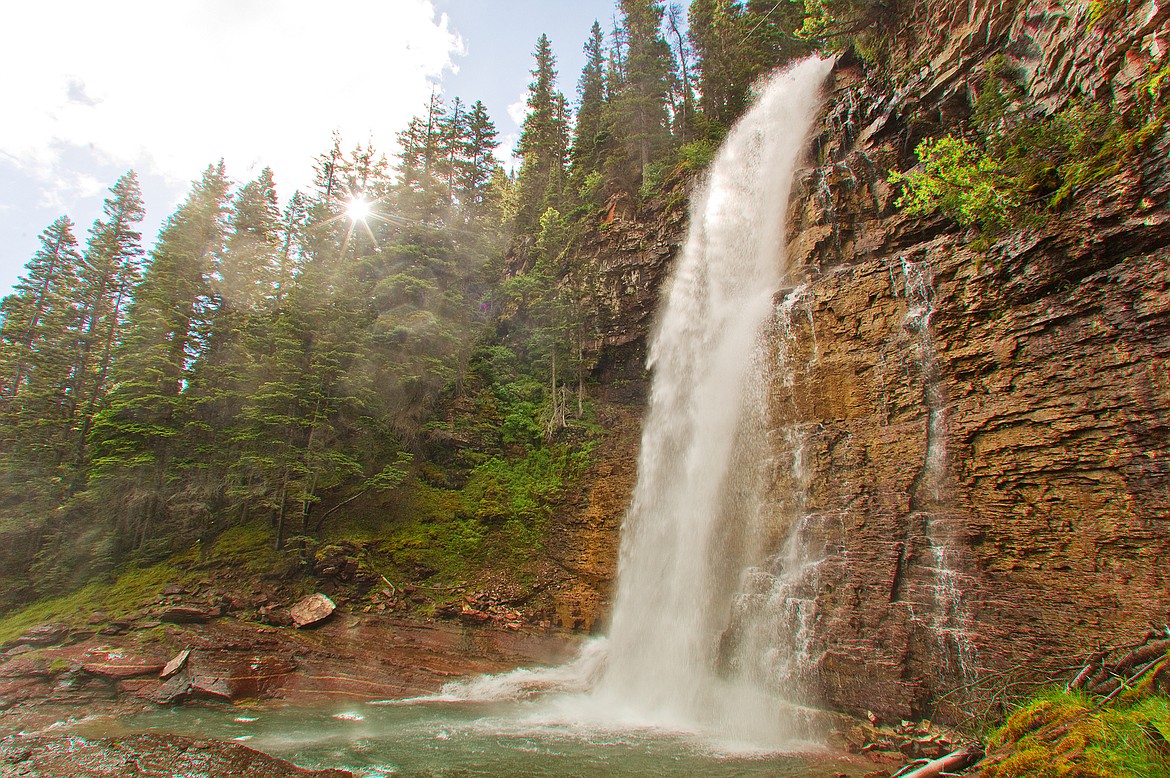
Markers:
point(138, 433)
point(544, 141)
point(476, 163)
point(112, 269)
point(291, 257)
point(639, 108)
point(38, 340)
point(589, 142)
point(247, 276)
point(683, 110)
point(735, 43)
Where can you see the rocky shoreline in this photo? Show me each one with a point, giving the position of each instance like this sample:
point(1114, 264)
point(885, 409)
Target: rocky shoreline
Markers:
point(53, 676)
point(54, 679)
point(229, 660)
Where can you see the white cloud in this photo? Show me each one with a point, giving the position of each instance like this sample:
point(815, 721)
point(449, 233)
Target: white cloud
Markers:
point(518, 111)
point(172, 86)
point(504, 152)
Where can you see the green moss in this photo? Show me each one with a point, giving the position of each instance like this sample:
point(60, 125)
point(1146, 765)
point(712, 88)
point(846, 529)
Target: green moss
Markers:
point(1068, 735)
point(130, 590)
point(1047, 707)
point(248, 547)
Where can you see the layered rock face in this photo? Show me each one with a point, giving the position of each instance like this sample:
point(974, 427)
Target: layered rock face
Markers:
point(970, 447)
point(984, 464)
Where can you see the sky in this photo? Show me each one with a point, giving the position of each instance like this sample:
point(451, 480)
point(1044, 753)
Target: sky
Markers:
point(92, 89)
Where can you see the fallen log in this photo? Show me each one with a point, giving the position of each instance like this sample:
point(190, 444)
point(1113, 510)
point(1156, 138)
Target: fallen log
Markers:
point(1083, 676)
point(956, 760)
point(1139, 653)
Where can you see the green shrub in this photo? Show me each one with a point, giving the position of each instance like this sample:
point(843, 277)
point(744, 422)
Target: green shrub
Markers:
point(959, 179)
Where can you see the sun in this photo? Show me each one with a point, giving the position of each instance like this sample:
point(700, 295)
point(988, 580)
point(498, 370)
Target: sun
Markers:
point(358, 210)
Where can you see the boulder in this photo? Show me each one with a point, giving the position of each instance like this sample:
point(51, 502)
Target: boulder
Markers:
point(45, 634)
point(312, 609)
point(211, 686)
point(173, 691)
point(176, 664)
point(185, 614)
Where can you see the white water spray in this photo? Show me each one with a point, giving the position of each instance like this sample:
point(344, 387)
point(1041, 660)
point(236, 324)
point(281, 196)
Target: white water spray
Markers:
point(689, 535)
point(692, 538)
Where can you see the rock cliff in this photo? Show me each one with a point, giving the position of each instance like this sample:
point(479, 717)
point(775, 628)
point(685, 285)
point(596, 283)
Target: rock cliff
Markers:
point(971, 443)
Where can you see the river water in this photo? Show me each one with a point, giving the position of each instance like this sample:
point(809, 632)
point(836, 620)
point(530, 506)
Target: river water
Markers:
point(468, 739)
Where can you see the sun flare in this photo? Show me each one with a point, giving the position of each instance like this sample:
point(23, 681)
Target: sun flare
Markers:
point(358, 210)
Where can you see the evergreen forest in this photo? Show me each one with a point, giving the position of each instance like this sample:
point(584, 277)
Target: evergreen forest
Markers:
point(405, 340)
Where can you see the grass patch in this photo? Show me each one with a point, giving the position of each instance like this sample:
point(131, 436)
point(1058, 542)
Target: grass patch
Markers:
point(249, 547)
point(1060, 734)
point(130, 590)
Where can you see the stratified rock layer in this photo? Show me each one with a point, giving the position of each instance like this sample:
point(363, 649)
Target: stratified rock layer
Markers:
point(983, 434)
point(971, 445)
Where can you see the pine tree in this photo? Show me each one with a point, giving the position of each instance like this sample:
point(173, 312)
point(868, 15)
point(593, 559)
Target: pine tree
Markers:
point(423, 191)
point(38, 339)
point(684, 105)
point(291, 257)
point(112, 269)
point(588, 140)
point(45, 289)
point(476, 163)
point(717, 30)
point(452, 131)
point(139, 431)
point(736, 43)
point(543, 145)
point(247, 276)
point(243, 284)
point(639, 108)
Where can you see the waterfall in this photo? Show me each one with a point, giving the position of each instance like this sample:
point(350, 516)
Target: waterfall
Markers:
point(691, 534)
point(703, 577)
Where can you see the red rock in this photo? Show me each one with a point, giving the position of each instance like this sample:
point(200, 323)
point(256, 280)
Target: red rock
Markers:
point(185, 614)
point(25, 667)
point(208, 686)
point(143, 688)
point(173, 691)
point(117, 670)
point(45, 634)
point(470, 615)
point(312, 609)
point(177, 663)
point(17, 690)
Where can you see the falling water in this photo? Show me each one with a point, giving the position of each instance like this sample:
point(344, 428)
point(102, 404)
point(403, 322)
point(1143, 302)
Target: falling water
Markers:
point(689, 534)
point(696, 540)
point(950, 619)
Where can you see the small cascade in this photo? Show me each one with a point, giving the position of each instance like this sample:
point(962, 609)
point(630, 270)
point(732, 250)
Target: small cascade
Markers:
point(949, 619)
point(779, 597)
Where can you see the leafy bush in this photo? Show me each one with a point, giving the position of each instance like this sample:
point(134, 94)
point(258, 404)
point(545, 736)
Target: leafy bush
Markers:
point(1017, 161)
point(958, 178)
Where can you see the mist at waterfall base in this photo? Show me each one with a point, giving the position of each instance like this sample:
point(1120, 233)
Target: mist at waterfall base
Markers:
point(685, 651)
point(690, 677)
